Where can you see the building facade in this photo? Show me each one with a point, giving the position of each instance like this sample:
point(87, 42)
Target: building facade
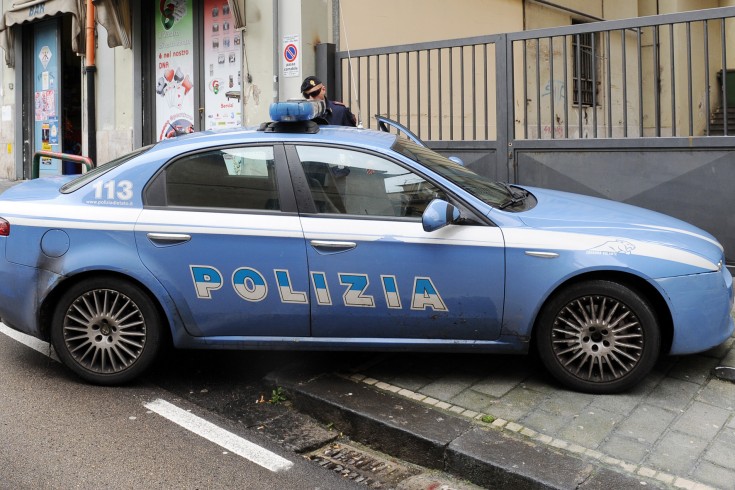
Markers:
point(144, 71)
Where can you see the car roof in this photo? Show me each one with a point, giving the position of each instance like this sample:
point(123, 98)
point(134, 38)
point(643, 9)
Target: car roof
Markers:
point(325, 134)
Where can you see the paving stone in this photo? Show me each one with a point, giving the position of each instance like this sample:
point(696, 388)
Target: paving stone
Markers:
point(540, 382)
point(621, 403)
point(722, 455)
point(546, 422)
point(696, 369)
point(718, 393)
point(714, 475)
point(473, 400)
point(674, 394)
point(676, 453)
point(517, 403)
point(661, 369)
point(447, 388)
point(702, 420)
point(567, 403)
point(646, 423)
point(411, 382)
point(590, 428)
point(728, 359)
point(727, 436)
point(626, 449)
point(497, 386)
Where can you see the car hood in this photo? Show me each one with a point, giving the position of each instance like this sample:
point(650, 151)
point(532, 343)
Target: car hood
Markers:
point(574, 213)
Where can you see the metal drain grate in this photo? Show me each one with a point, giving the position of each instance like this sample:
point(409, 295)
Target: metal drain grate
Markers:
point(361, 466)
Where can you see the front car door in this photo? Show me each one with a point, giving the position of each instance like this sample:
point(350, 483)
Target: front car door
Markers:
point(375, 273)
point(226, 243)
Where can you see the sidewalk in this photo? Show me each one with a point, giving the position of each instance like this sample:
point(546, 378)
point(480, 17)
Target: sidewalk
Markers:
point(500, 421)
point(7, 184)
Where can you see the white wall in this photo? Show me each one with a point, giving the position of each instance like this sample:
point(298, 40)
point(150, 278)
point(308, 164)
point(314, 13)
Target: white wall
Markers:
point(114, 100)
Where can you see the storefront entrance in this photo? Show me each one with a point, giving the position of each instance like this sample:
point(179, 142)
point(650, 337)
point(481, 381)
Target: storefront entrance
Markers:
point(52, 96)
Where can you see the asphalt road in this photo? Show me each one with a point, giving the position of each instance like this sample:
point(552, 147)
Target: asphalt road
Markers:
point(57, 432)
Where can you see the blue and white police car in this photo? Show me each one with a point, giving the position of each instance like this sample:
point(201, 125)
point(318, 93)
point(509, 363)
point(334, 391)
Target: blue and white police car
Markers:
point(317, 237)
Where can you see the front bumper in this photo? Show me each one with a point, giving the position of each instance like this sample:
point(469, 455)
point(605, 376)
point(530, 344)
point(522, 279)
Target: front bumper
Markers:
point(700, 308)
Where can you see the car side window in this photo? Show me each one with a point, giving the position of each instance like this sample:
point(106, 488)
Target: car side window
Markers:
point(241, 178)
point(351, 182)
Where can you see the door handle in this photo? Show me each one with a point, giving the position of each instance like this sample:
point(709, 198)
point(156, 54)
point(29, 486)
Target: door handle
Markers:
point(332, 246)
point(168, 238)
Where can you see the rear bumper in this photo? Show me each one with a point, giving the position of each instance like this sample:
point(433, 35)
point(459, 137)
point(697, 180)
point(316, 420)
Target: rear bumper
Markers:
point(20, 290)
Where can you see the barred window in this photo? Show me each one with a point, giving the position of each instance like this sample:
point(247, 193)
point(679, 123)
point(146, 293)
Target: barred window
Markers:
point(584, 69)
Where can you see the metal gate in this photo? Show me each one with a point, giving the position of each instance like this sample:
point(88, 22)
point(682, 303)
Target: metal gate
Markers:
point(631, 110)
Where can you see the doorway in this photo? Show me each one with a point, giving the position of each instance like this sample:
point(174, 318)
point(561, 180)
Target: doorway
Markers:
point(52, 97)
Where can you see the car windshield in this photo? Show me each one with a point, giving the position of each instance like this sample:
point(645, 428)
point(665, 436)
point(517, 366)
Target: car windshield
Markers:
point(497, 194)
point(80, 181)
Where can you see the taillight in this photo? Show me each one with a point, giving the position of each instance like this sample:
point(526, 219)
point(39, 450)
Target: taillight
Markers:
point(4, 227)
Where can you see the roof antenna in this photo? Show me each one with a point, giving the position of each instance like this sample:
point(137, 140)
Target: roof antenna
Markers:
point(352, 72)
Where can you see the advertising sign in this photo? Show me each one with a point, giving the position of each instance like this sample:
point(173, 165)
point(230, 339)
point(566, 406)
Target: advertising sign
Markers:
point(222, 52)
point(174, 53)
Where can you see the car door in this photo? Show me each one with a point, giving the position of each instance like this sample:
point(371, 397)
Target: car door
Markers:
point(220, 232)
point(374, 271)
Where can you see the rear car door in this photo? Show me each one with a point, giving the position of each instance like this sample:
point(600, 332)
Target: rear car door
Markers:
point(374, 271)
point(221, 233)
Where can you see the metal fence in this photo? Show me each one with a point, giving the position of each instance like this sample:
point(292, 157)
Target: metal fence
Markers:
point(645, 77)
point(442, 90)
point(626, 110)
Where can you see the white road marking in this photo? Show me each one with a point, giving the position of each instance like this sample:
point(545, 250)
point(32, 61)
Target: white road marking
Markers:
point(197, 425)
point(32, 342)
point(220, 436)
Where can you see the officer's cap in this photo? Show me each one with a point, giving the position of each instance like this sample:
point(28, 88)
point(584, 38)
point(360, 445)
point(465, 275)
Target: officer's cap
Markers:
point(310, 84)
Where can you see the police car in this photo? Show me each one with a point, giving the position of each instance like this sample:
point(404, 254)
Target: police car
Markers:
point(313, 237)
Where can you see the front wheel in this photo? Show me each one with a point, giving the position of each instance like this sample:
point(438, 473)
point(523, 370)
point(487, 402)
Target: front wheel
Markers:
point(106, 330)
point(598, 337)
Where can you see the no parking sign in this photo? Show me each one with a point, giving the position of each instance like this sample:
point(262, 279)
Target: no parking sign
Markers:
point(291, 59)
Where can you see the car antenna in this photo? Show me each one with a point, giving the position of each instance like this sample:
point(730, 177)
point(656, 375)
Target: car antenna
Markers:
point(352, 72)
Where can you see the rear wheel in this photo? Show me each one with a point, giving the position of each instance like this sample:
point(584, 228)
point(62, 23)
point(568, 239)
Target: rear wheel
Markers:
point(598, 337)
point(106, 330)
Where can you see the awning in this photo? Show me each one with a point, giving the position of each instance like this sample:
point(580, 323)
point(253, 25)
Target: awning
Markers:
point(238, 12)
point(117, 19)
point(114, 15)
point(29, 11)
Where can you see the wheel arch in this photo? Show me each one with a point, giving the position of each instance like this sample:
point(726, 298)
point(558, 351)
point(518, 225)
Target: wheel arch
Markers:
point(46, 311)
point(640, 285)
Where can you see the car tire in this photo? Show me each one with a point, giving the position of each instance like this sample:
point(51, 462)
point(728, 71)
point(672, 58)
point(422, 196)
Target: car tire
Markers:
point(106, 330)
point(598, 337)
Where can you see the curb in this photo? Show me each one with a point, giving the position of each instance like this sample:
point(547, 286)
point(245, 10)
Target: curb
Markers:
point(434, 439)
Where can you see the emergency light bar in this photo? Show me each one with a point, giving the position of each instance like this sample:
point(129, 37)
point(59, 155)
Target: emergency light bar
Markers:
point(297, 110)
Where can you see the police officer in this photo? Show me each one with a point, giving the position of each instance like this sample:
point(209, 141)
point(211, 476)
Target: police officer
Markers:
point(337, 113)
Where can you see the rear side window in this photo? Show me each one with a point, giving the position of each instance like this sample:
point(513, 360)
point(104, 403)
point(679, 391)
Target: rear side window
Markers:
point(83, 179)
point(239, 178)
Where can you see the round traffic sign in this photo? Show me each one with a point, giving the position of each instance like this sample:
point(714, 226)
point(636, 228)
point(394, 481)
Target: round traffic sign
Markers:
point(290, 53)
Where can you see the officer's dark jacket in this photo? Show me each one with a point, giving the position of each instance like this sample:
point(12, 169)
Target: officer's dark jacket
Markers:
point(339, 114)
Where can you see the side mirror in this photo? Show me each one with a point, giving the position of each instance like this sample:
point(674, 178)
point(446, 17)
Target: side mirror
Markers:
point(439, 214)
point(457, 160)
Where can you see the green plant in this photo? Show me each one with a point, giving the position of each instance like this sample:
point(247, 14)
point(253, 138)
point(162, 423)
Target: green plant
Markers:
point(277, 396)
point(488, 419)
